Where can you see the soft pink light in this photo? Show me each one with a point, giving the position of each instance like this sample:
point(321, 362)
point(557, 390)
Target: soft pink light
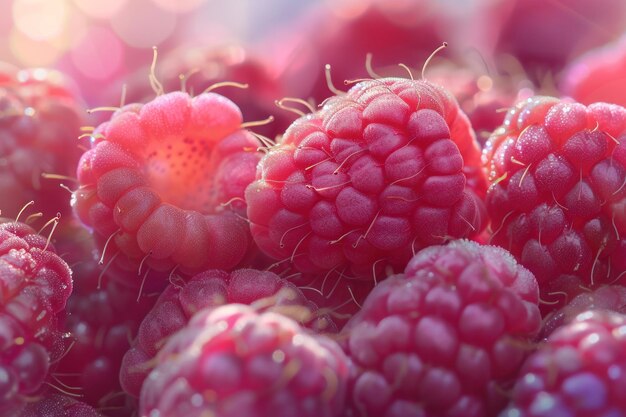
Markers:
point(99, 55)
point(143, 24)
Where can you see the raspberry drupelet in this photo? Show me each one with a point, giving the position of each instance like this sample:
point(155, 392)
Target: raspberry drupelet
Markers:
point(233, 361)
point(378, 173)
point(446, 338)
point(211, 289)
point(35, 284)
point(577, 372)
point(557, 198)
point(162, 185)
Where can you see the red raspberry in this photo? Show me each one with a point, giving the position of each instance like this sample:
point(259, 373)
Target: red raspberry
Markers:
point(610, 297)
point(599, 75)
point(57, 405)
point(446, 338)
point(373, 176)
point(233, 361)
point(557, 199)
point(205, 66)
point(40, 119)
point(35, 284)
point(163, 183)
point(180, 301)
point(577, 372)
point(545, 35)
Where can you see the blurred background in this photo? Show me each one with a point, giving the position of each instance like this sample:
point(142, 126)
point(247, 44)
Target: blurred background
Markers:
point(280, 47)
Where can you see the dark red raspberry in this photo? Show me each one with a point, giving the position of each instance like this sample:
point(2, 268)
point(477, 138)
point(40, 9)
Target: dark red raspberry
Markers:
point(57, 405)
point(375, 175)
point(163, 183)
point(35, 284)
point(102, 317)
point(545, 35)
point(181, 300)
point(577, 372)
point(40, 120)
point(598, 76)
point(446, 338)
point(557, 199)
point(610, 297)
point(233, 361)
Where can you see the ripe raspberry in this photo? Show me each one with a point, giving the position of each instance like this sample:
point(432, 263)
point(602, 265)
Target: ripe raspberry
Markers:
point(374, 175)
point(35, 285)
point(577, 372)
point(233, 361)
point(202, 67)
point(557, 199)
point(610, 297)
point(57, 405)
point(163, 183)
point(446, 338)
point(180, 301)
point(599, 75)
point(102, 316)
point(545, 35)
point(40, 119)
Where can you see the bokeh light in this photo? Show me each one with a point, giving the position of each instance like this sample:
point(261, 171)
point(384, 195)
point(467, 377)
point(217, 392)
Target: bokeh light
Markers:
point(100, 9)
point(143, 24)
point(88, 56)
point(178, 6)
point(40, 19)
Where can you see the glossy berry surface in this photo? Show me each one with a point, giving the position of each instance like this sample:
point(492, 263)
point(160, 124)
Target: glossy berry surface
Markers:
point(446, 338)
point(234, 361)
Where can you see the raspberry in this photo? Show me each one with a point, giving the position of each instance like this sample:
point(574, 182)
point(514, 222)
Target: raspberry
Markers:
point(234, 361)
point(610, 297)
point(599, 75)
point(163, 183)
point(56, 405)
point(103, 315)
point(40, 119)
point(446, 338)
point(35, 284)
point(373, 176)
point(577, 372)
point(213, 288)
point(545, 35)
point(557, 199)
point(204, 67)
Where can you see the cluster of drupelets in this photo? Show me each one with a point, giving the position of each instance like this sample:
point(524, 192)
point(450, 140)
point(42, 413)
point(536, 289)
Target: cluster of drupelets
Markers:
point(371, 260)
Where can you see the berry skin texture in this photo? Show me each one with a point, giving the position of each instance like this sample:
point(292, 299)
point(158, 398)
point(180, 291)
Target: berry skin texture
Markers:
point(163, 183)
point(610, 297)
point(577, 372)
point(446, 338)
point(233, 361)
point(375, 175)
point(40, 119)
point(557, 198)
point(57, 405)
point(34, 286)
point(181, 300)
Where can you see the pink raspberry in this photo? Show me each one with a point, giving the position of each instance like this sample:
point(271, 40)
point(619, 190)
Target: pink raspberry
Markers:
point(233, 361)
point(163, 184)
point(610, 297)
point(447, 338)
point(34, 286)
point(181, 300)
point(599, 75)
point(375, 175)
point(557, 199)
point(577, 372)
point(57, 405)
point(40, 120)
